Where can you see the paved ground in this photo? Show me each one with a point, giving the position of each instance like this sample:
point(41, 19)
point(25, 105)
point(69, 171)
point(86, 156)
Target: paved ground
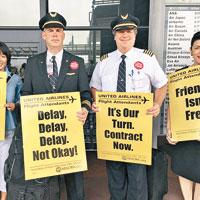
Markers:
point(96, 187)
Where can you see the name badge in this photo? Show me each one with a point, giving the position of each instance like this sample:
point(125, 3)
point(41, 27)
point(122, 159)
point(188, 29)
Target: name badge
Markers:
point(50, 69)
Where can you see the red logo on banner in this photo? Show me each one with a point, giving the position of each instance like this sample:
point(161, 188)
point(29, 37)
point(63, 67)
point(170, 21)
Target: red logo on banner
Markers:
point(138, 65)
point(74, 65)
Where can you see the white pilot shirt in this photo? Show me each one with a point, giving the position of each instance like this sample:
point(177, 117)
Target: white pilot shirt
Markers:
point(58, 59)
point(142, 71)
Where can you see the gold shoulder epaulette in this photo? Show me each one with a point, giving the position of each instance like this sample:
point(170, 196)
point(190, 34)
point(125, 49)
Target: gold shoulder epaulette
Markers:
point(103, 57)
point(148, 52)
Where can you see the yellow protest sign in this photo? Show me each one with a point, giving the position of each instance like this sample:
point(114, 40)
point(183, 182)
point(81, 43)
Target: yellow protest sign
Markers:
point(3, 77)
point(53, 138)
point(184, 101)
point(124, 131)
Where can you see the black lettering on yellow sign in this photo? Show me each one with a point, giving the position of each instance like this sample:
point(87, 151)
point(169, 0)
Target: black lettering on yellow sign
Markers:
point(40, 155)
point(51, 115)
point(187, 90)
point(59, 152)
point(123, 136)
point(104, 101)
point(107, 96)
point(122, 124)
point(191, 115)
point(121, 146)
point(53, 127)
point(55, 153)
point(130, 113)
point(44, 141)
point(114, 112)
point(126, 112)
point(192, 102)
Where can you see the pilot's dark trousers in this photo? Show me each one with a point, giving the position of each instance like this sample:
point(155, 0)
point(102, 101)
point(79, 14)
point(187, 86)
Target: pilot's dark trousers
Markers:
point(74, 186)
point(127, 181)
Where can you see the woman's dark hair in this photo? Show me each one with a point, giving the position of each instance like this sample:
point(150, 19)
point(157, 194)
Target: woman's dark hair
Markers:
point(5, 50)
point(195, 37)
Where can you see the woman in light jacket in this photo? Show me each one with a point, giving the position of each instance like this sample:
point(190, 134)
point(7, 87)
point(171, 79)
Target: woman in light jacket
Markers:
point(13, 87)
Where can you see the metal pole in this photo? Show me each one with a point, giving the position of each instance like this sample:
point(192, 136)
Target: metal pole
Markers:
point(43, 11)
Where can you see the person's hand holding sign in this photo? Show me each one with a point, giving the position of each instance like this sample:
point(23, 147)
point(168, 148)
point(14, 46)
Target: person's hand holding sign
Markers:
point(155, 110)
point(82, 115)
point(160, 94)
point(169, 131)
point(95, 108)
point(10, 106)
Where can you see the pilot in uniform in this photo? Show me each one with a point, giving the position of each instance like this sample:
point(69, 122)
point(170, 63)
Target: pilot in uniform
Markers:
point(142, 71)
point(128, 181)
point(70, 77)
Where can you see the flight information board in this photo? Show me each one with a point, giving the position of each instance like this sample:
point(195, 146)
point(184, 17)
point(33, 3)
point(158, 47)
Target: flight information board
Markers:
point(181, 22)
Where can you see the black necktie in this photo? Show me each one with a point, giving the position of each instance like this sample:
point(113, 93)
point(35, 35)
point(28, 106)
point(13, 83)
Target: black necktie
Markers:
point(121, 81)
point(54, 77)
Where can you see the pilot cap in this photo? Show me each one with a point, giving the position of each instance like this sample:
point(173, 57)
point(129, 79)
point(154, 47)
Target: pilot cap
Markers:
point(124, 22)
point(52, 19)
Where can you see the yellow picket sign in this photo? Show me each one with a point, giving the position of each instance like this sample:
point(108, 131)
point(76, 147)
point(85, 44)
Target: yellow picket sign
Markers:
point(53, 138)
point(184, 98)
point(3, 77)
point(124, 131)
